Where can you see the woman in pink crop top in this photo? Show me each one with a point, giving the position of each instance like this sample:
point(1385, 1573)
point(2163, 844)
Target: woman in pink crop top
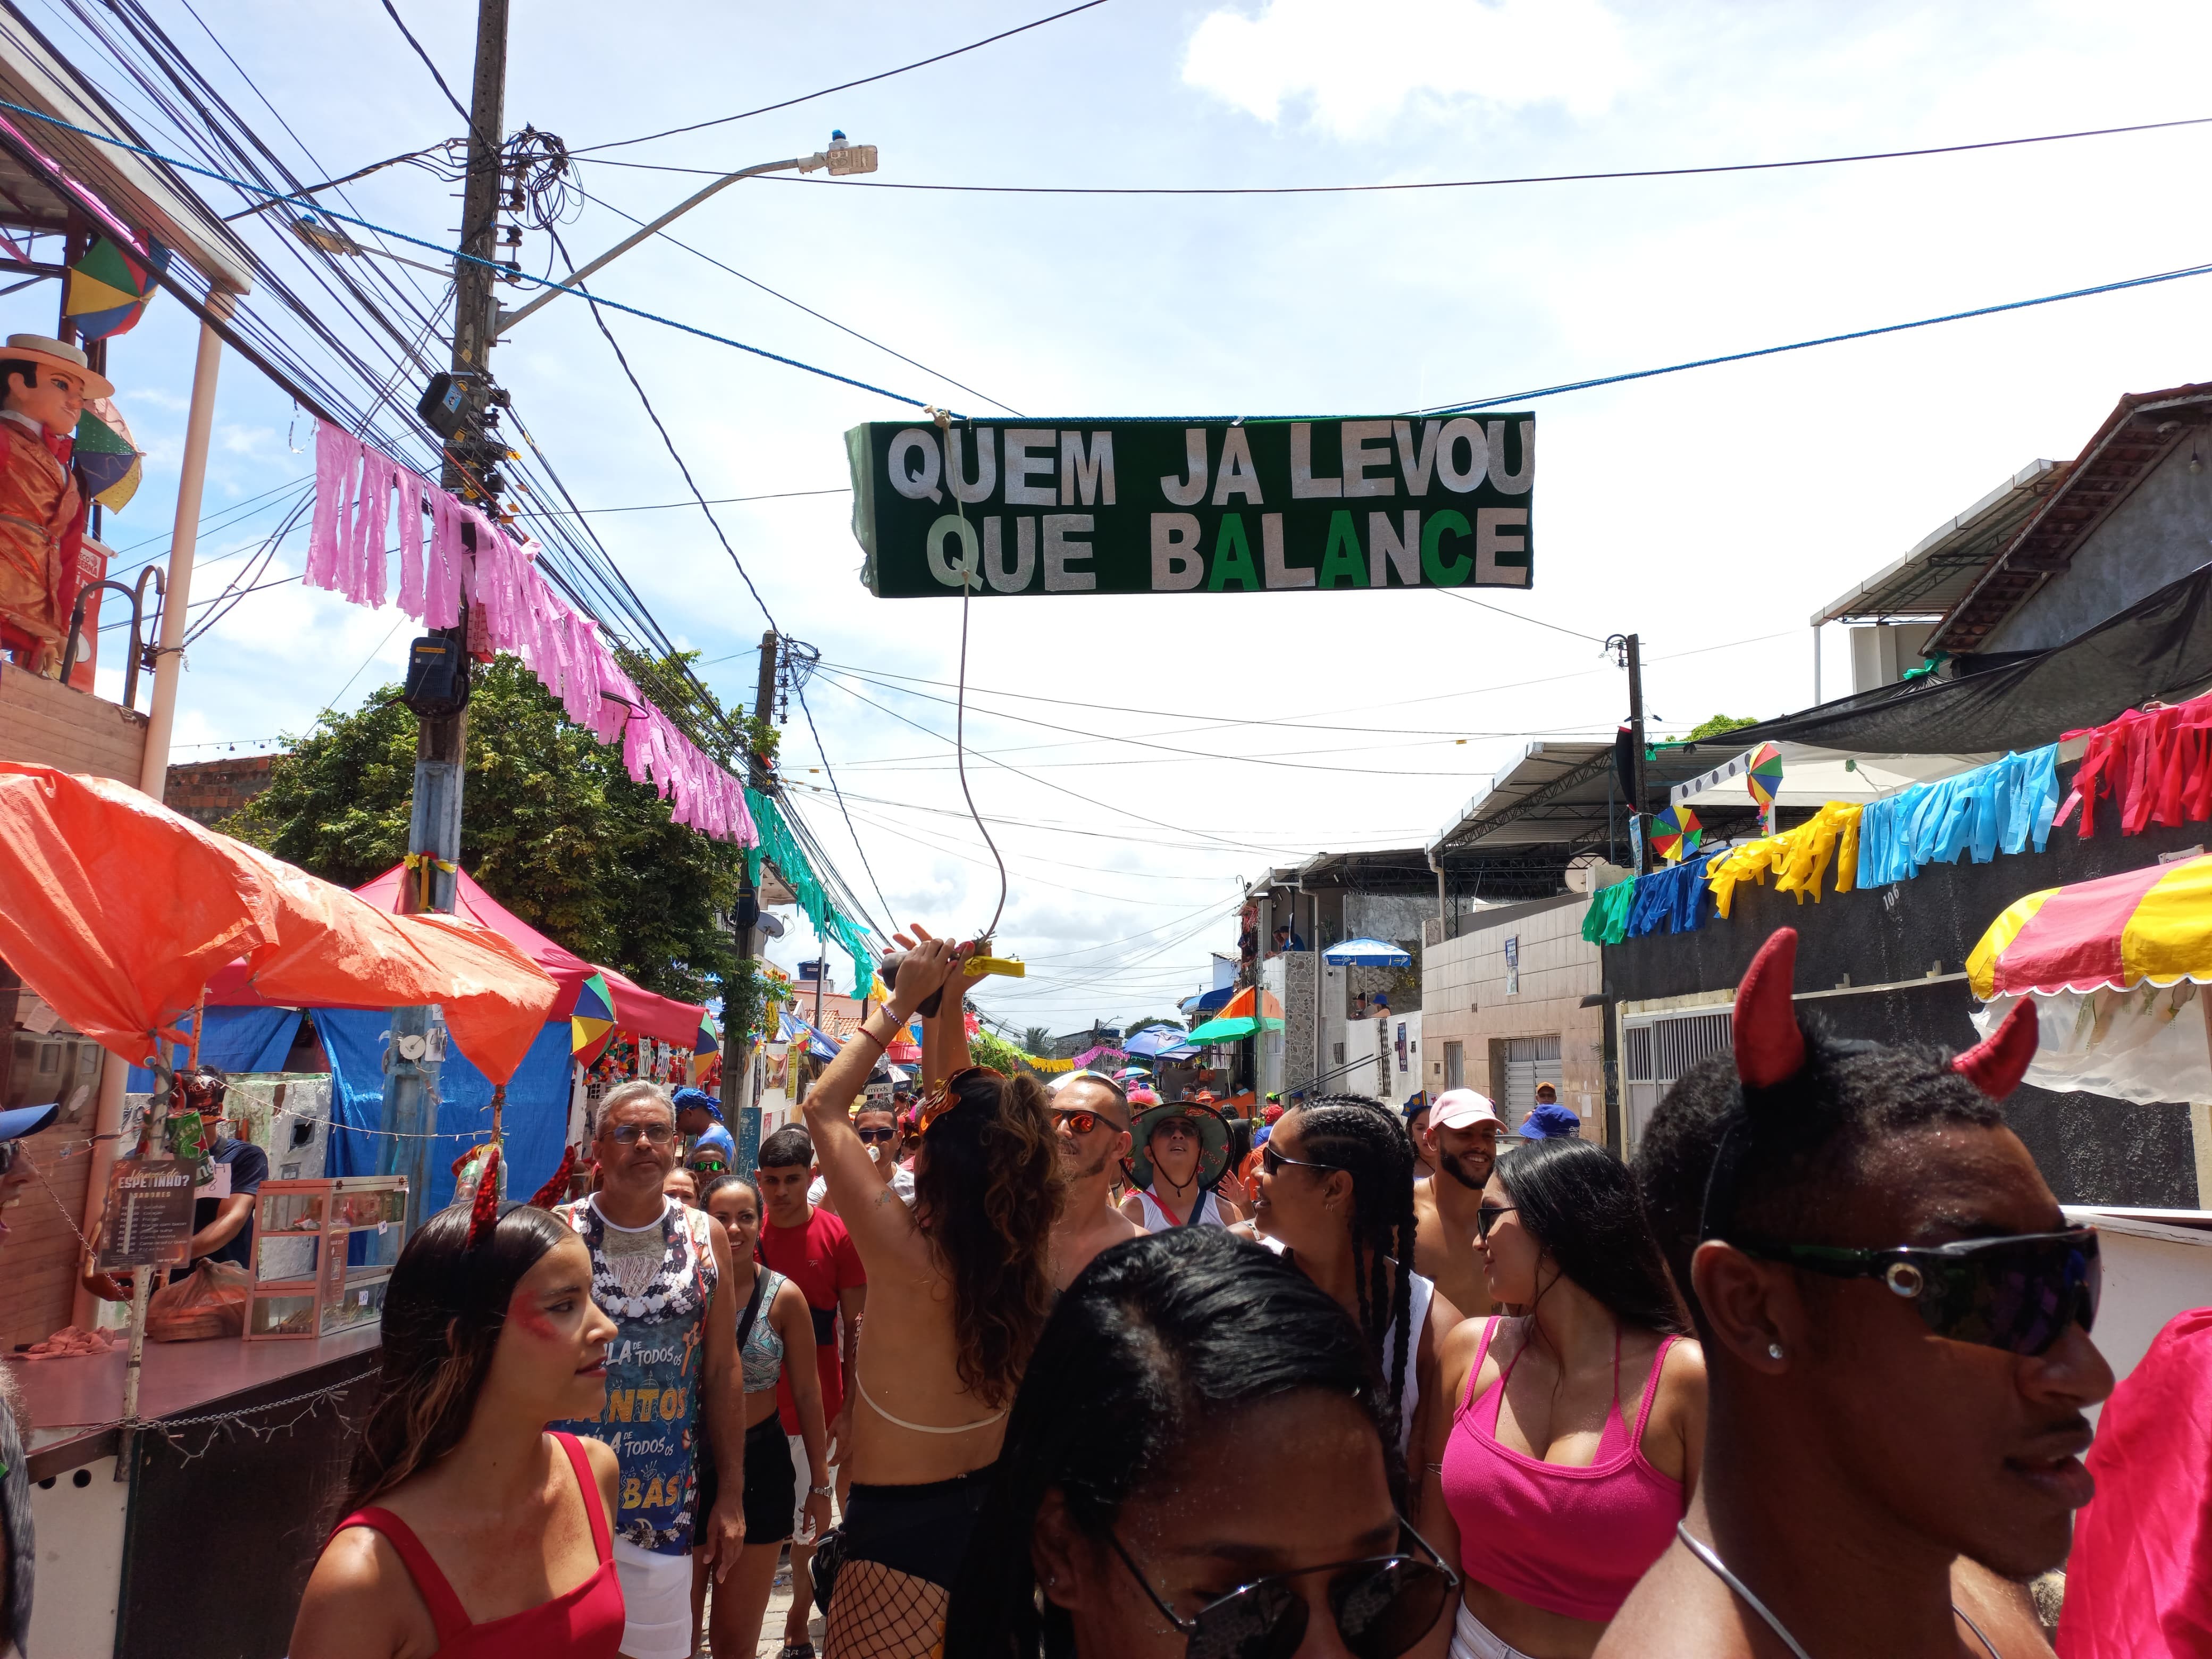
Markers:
point(1575, 1432)
point(468, 1532)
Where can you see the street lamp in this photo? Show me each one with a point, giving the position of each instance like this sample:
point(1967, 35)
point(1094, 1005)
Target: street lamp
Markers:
point(840, 157)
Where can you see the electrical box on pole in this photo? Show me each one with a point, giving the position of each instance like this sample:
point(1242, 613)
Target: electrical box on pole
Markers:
point(439, 664)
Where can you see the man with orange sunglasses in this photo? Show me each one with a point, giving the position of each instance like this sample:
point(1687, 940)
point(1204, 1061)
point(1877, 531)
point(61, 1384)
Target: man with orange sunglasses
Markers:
point(1093, 1116)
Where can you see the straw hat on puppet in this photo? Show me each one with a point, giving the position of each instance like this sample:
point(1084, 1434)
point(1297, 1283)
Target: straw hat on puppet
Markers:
point(50, 353)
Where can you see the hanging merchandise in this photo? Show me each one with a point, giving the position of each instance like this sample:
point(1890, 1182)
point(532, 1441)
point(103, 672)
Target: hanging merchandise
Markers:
point(1676, 901)
point(2001, 807)
point(592, 1021)
point(1763, 780)
point(2159, 758)
point(707, 1049)
point(468, 557)
point(109, 287)
point(106, 455)
point(1797, 858)
point(1605, 921)
point(1676, 834)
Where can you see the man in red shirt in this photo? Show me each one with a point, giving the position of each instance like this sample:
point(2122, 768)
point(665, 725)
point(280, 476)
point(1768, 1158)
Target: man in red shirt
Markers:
point(810, 1247)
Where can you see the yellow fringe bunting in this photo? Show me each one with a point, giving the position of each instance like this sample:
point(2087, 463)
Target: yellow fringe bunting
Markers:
point(1798, 858)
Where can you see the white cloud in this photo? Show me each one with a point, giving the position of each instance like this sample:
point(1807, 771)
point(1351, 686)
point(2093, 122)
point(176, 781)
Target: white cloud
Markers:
point(1356, 67)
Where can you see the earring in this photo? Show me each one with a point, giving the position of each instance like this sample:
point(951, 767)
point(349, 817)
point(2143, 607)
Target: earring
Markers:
point(1774, 1351)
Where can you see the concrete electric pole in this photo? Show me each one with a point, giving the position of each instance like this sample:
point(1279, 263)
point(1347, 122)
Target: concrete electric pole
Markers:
point(739, 1105)
point(438, 666)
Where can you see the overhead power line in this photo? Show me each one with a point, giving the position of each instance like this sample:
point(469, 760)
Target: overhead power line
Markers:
point(846, 86)
point(1491, 184)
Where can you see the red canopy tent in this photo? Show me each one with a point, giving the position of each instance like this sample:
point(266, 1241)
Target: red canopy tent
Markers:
point(636, 1009)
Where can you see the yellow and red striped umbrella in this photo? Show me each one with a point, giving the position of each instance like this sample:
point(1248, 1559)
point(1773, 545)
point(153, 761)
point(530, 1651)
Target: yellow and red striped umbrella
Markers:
point(2149, 926)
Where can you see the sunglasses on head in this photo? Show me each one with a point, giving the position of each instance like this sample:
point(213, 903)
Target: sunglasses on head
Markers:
point(1383, 1605)
point(2018, 1294)
point(946, 1095)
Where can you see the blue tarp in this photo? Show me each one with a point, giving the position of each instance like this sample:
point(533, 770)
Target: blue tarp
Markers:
point(1212, 1002)
point(537, 1117)
point(237, 1040)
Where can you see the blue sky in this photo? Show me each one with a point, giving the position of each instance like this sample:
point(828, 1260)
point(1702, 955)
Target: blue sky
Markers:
point(1703, 510)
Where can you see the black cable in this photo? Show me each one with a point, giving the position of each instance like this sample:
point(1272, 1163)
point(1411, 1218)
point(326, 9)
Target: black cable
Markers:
point(468, 122)
point(890, 915)
point(843, 86)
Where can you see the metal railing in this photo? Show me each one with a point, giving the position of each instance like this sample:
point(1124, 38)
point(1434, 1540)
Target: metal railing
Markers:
point(138, 634)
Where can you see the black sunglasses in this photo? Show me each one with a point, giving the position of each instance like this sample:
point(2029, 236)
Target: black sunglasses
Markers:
point(1272, 1161)
point(2018, 1294)
point(1383, 1605)
point(877, 1137)
point(1485, 1218)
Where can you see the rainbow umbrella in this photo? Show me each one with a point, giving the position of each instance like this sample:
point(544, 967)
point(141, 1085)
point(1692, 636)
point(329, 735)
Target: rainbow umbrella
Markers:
point(1676, 833)
point(592, 1021)
point(109, 287)
point(106, 454)
point(1765, 777)
point(705, 1046)
point(1239, 1020)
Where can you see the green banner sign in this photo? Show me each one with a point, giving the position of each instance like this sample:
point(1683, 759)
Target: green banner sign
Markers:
point(1159, 507)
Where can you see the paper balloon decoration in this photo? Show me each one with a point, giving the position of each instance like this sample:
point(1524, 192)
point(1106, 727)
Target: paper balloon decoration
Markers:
point(108, 288)
point(106, 453)
point(592, 1022)
point(1676, 833)
point(1765, 777)
point(705, 1047)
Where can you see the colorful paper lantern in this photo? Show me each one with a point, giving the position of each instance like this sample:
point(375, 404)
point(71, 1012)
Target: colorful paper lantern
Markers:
point(1676, 833)
point(592, 1019)
point(106, 455)
point(109, 287)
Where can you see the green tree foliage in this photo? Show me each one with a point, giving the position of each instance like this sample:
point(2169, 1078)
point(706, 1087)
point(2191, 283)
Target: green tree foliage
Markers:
point(1135, 1026)
point(1037, 1039)
point(551, 826)
point(1718, 726)
point(987, 1048)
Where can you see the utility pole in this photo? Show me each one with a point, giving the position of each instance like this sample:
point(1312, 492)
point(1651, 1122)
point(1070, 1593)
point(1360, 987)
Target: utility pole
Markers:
point(1629, 653)
point(737, 1102)
point(438, 666)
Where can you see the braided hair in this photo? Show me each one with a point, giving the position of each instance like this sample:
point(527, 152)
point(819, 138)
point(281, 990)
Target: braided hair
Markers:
point(1364, 1138)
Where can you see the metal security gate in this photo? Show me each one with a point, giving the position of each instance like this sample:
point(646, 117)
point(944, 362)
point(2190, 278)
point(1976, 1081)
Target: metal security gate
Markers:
point(1658, 1048)
point(1528, 1061)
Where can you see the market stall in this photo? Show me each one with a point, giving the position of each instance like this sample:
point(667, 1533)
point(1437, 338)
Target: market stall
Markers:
point(117, 912)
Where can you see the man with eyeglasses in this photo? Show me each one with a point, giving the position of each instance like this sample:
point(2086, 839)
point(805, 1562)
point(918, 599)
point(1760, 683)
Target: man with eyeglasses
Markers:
point(1092, 1117)
point(660, 1271)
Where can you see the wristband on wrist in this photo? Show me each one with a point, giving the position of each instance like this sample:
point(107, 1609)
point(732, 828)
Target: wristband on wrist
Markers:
point(863, 1031)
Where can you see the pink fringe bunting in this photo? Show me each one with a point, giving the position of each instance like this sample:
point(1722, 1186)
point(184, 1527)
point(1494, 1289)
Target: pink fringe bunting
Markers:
point(355, 488)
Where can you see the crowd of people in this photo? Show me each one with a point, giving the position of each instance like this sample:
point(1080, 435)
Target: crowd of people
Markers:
point(1068, 1373)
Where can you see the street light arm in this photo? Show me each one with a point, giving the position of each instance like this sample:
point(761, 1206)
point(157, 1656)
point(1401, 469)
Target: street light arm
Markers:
point(507, 319)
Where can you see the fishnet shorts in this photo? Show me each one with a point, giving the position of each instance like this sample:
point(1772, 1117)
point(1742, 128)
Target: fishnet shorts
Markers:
point(881, 1613)
point(902, 1550)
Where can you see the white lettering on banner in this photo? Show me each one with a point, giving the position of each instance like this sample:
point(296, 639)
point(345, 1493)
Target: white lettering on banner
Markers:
point(1237, 476)
point(631, 1353)
point(1513, 484)
point(1304, 485)
point(1402, 555)
point(1449, 472)
point(1417, 457)
point(920, 486)
point(1188, 492)
point(986, 465)
point(1022, 466)
point(1176, 567)
point(1490, 524)
point(622, 1441)
point(995, 571)
point(952, 525)
point(1092, 475)
point(1059, 549)
point(1367, 445)
point(1279, 574)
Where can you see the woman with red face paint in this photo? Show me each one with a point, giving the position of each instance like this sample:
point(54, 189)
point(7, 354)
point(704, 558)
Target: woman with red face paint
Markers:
point(469, 1531)
point(1895, 1315)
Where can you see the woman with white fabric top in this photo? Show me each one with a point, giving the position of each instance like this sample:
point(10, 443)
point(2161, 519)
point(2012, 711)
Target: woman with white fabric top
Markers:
point(775, 1336)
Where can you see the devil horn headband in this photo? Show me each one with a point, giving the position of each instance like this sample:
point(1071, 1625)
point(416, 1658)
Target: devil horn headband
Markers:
point(1770, 1045)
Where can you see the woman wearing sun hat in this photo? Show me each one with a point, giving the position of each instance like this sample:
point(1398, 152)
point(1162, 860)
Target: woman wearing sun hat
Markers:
point(1180, 1155)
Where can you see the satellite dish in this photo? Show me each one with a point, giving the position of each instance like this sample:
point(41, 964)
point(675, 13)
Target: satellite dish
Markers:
point(770, 924)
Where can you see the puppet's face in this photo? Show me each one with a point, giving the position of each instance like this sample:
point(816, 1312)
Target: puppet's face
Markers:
point(55, 402)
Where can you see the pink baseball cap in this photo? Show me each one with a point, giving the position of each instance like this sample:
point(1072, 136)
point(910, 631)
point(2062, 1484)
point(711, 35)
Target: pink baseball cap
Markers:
point(1462, 1109)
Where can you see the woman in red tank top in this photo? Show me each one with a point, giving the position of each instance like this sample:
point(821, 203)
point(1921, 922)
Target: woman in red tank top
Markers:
point(468, 1532)
point(1555, 1476)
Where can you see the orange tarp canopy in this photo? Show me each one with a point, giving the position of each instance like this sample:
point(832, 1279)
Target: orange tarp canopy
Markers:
point(117, 911)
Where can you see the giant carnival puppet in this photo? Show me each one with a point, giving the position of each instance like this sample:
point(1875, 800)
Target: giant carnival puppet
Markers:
point(46, 385)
